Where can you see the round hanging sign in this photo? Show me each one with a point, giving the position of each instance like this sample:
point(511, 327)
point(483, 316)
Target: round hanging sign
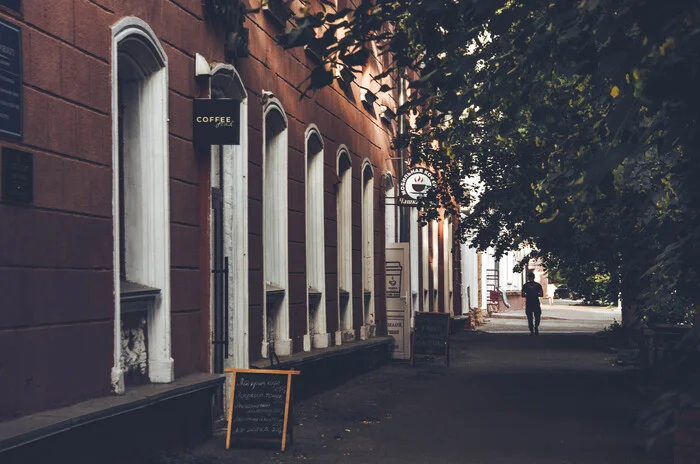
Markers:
point(415, 184)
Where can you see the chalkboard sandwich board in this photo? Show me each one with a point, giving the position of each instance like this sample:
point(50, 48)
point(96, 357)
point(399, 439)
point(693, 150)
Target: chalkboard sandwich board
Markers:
point(259, 411)
point(431, 336)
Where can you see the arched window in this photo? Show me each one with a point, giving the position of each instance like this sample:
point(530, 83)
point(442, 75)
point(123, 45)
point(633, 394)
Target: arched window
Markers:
point(390, 214)
point(344, 224)
point(229, 181)
point(368, 251)
point(275, 231)
point(141, 194)
point(315, 243)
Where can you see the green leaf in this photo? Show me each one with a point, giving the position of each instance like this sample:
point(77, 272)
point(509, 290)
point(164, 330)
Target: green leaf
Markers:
point(423, 80)
point(320, 77)
point(358, 58)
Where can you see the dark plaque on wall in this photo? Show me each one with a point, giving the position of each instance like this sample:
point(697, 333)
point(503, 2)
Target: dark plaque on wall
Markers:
point(217, 122)
point(17, 176)
point(10, 80)
point(259, 408)
point(14, 4)
point(431, 336)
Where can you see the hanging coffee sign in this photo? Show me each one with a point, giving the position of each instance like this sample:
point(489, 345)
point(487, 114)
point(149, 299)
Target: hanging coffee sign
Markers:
point(415, 184)
point(216, 122)
point(10, 80)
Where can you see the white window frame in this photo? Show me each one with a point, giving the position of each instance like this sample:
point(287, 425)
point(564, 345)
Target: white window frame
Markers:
point(148, 254)
point(390, 215)
point(368, 329)
point(425, 266)
point(435, 265)
point(447, 259)
point(275, 233)
point(346, 331)
point(415, 251)
point(228, 82)
point(317, 335)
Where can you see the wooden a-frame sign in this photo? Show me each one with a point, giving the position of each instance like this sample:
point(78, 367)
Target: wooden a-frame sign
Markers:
point(259, 410)
point(431, 336)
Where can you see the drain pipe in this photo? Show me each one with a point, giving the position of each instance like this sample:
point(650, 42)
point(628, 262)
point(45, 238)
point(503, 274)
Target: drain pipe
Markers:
point(404, 212)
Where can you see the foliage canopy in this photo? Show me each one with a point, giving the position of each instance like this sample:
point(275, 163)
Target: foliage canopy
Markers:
point(577, 121)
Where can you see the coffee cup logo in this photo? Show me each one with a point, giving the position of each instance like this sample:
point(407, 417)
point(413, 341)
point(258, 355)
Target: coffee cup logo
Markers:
point(416, 184)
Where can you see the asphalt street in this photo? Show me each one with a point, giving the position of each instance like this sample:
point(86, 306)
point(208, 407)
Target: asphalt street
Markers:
point(506, 398)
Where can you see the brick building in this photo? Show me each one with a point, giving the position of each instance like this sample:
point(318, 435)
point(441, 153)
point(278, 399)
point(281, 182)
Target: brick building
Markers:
point(139, 263)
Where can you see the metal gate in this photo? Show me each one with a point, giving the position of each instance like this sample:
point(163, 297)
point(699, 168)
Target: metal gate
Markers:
point(219, 271)
point(492, 284)
point(220, 290)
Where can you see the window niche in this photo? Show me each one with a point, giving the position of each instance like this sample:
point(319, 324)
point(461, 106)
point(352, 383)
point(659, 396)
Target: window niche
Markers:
point(434, 259)
point(317, 334)
point(275, 232)
point(231, 175)
point(368, 329)
point(141, 207)
point(447, 283)
point(425, 266)
point(346, 332)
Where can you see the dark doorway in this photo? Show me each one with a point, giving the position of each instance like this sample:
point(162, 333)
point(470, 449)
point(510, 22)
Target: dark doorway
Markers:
point(220, 335)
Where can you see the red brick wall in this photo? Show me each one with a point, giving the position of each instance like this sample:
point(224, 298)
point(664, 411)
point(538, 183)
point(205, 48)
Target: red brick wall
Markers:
point(56, 317)
point(341, 120)
point(56, 305)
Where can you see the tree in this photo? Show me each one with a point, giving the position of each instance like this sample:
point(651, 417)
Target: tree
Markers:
point(580, 121)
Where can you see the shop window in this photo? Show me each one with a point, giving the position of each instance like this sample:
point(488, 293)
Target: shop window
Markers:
point(344, 224)
point(142, 206)
point(315, 243)
point(368, 251)
point(275, 232)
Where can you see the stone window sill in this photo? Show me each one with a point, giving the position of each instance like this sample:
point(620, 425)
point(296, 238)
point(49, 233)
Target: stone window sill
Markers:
point(136, 297)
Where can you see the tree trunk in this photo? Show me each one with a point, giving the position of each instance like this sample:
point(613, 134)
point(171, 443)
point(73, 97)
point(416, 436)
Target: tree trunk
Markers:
point(631, 288)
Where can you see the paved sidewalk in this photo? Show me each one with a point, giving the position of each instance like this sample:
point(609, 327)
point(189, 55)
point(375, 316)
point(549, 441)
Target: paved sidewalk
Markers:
point(506, 398)
point(563, 317)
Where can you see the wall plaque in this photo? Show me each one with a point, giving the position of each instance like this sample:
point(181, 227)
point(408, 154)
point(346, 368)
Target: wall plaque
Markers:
point(13, 4)
point(415, 184)
point(17, 176)
point(217, 122)
point(10, 80)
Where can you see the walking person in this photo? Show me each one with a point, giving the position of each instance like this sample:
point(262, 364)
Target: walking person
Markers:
point(550, 293)
point(532, 291)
